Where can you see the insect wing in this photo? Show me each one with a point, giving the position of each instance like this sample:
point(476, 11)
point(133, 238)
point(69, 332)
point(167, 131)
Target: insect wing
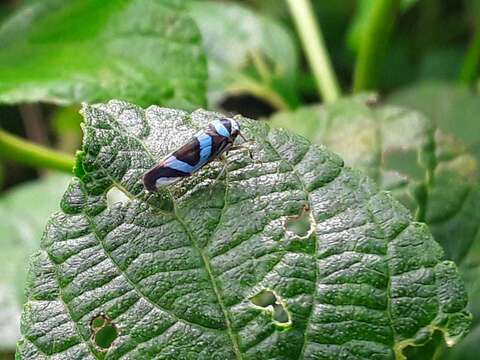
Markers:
point(162, 175)
point(219, 145)
point(205, 142)
point(189, 153)
point(181, 163)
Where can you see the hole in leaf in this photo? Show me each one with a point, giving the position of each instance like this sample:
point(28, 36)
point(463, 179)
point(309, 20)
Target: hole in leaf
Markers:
point(280, 314)
point(264, 298)
point(104, 332)
point(302, 224)
point(424, 350)
point(98, 322)
point(106, 336)
point(115, 195)
point(269, 301)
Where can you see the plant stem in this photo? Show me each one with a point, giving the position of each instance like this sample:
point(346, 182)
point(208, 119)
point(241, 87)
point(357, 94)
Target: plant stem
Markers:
point(373, 42)
point(25, 152)
point(261, 66)
point(260, 90)
point(315, 49)
point(469, 70)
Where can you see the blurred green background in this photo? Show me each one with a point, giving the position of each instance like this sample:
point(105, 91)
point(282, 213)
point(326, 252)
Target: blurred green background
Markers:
point(403, 106)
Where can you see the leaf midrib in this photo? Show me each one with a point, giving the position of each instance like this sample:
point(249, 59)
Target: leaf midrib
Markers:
point(215, 287)
point(194, 242)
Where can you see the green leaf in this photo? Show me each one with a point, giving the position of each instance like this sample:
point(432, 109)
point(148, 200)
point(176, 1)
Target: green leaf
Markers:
point(91, 50)
point(24, 212)
point(468, 348)
point(444, 64)
point(402, 149)
point(473, 7)
point(247, 53)
point(359, 134)
point(454, 109)
point(206, 269)
point(429, 171)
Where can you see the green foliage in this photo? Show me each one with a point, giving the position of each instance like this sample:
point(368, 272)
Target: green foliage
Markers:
point(424, 165)
point(454, 109)
point(207, 269)
point(247, 53)
point(86, 50)
point(24, 212)
point(429, 171)
point(468, 348)
point(288, 255)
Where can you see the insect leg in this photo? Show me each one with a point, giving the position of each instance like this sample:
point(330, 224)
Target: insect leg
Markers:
point(224, 161)
point(244, 147)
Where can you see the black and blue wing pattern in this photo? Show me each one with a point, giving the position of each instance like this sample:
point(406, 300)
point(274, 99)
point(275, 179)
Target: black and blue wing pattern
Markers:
point(204, 147)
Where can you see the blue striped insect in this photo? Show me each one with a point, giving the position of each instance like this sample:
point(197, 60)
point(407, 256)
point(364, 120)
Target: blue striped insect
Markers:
point(207, 145)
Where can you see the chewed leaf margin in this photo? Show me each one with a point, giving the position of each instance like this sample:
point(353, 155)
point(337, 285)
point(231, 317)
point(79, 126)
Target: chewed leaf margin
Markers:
point(366, 282)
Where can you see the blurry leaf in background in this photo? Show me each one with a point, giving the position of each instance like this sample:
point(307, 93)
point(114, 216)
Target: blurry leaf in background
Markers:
point(66, 127)
point(247, 53)
point(274, 8)
point(397, 67)
point(91, 50)
point(23, 213)
point(441, 64)
point(473, 7)
point(219, 275)
point(4, 10)
point(454, 109)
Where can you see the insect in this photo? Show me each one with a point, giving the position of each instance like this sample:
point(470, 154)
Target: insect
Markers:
point(205, 146)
